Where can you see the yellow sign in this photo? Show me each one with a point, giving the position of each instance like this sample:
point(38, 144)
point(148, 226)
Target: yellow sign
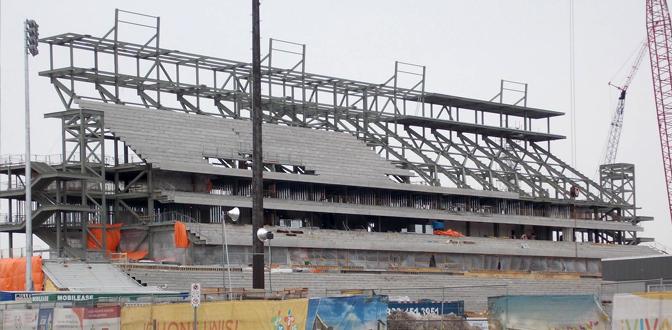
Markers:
point(226, 315)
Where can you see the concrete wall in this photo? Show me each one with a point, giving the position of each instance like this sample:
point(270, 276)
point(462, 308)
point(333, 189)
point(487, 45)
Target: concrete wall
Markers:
point(180, 181)
point(638, 269)
point(241, 255)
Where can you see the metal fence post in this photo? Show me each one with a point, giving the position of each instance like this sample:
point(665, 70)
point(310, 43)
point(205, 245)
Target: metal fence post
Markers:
point(443, 298)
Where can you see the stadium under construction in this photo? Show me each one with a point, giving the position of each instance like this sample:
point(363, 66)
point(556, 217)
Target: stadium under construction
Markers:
point(381, 186)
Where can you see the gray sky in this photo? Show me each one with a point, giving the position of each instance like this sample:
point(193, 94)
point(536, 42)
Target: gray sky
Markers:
point(467, 47)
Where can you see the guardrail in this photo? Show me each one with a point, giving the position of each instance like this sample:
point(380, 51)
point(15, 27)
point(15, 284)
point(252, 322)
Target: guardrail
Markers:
point(5, 219)
point(53, 159)
point(21, 253)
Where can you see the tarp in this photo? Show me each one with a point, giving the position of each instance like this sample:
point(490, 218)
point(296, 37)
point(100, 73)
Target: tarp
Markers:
point(546, 312)
point(343, 313)
point(13, 274)
point(112, 236)
point(137, 255)
point(224, 315)
point(449, 232)
point(652, 310)
point(181, 237)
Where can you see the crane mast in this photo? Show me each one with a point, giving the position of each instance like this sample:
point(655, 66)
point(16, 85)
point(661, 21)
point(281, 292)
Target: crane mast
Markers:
point(659, 35)
point(617, 119)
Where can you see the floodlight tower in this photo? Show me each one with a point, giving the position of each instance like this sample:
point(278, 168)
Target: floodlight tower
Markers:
point(30, 43)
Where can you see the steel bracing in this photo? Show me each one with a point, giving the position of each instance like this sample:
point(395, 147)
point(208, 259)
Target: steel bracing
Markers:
point(444, 140)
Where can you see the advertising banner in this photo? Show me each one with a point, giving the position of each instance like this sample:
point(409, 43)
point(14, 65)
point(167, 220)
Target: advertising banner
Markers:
point(427, 308)
point(651, 310)
point(546, 312)
point(19, 319)
point(225, 315)
point(79, 318)
point(343, 313)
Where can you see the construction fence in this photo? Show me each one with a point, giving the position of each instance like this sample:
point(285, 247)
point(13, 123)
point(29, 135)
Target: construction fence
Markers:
point(349, 312)
point(651, 310)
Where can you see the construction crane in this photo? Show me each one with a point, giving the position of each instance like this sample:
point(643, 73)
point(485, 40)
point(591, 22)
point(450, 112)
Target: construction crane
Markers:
point(617, 119)
point(659, 35)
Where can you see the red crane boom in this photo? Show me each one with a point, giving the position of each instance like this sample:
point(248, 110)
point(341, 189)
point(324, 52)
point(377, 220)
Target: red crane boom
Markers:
point(659, 35)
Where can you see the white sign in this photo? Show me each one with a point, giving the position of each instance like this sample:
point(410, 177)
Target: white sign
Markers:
point(195, 294)
point(651, 310)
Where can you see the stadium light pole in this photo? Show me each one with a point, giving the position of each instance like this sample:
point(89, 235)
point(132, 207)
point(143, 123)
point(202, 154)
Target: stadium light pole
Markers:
point(30, 44)
point(257, 159)
point(234, 214)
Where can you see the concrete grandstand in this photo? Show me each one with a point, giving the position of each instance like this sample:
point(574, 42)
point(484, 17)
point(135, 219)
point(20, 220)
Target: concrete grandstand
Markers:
point(358, 180)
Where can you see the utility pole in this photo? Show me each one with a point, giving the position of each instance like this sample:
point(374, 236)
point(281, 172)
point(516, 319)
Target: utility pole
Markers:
point(257, 156)
point(30, 45)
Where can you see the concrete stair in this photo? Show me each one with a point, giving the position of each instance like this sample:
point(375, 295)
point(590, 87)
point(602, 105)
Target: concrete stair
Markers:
point(211, 234)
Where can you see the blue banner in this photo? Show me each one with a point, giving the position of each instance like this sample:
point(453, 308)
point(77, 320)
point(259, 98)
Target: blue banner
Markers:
point(45, 319)
point(15, 296)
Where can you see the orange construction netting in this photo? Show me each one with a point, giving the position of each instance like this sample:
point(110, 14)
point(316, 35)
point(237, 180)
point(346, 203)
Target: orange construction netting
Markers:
point(181, 237)
point(449, 232)
point(112, 236)
point(13, 274)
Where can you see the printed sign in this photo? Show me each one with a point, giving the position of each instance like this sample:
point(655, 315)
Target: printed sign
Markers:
point(220, 315)
point(652, 310)
point(546, 312)
point(19, 319)
point(345, 313)
point(195, 294)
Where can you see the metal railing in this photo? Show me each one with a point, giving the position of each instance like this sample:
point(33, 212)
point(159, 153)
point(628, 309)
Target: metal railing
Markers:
point(169, 216)
point(13, 159)
point(659, 247)
point(608, 290)
point(11, 185)
point(5, 219)
point(21, 253)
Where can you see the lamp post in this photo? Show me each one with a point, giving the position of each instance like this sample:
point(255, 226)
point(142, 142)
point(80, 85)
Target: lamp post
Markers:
point(234, 214)
point(30, 44)
point(265, 235)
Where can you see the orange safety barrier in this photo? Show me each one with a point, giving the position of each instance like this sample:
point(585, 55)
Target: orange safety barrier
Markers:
point(112, 236)
point(13, 274)
point(449, 232)
point(181, 237)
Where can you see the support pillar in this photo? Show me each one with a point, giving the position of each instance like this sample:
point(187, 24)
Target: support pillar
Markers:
point(11, 245)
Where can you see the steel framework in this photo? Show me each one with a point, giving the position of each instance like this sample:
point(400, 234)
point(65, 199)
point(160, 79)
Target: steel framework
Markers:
point(659, 33)
point(444, 140)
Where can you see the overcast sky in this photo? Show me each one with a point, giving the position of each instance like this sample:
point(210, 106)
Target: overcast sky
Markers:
point(467, 47)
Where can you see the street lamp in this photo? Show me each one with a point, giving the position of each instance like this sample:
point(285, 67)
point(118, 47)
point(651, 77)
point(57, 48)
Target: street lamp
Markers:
point(30, 44)
point(265, 235)
point(233, 214)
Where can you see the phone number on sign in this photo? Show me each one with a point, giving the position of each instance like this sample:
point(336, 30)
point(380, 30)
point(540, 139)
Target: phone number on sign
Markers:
point(415, 310)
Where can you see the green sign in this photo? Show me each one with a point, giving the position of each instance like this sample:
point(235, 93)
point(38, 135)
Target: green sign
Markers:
point(84, 297)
